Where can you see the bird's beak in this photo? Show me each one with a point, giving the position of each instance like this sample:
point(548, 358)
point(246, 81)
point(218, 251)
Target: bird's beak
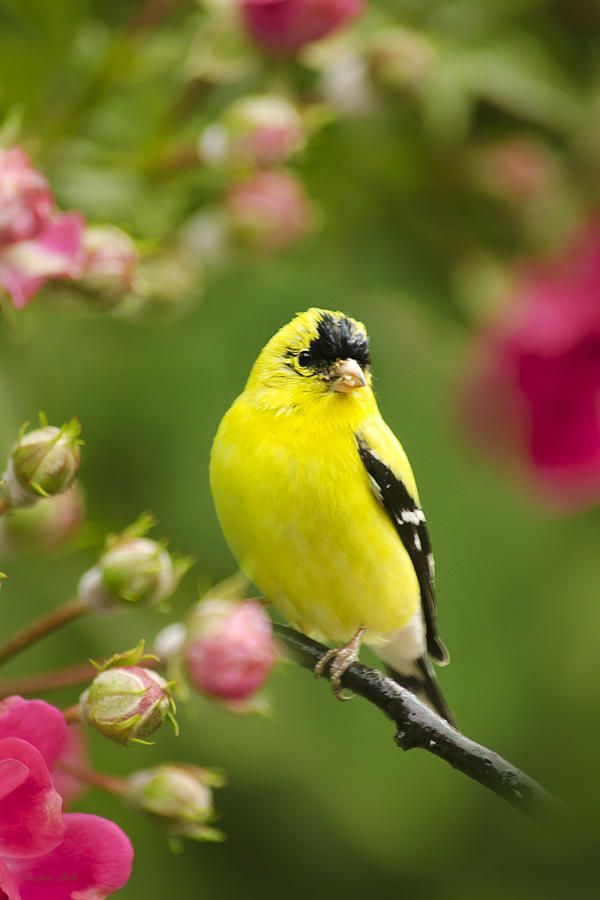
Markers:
point(346, 376)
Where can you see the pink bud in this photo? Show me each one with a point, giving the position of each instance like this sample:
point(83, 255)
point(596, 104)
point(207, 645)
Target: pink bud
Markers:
point(26, 200)
point(127, 703)
point(110, 259)
point(269, 211)
point(47, 525)
point(284, 26)
point(517, 169)
point(230, 651)
point(262, 130)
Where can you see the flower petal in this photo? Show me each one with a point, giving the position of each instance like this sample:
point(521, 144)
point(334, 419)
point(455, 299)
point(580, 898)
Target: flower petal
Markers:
point(73, 753)
point(8, 885)
point(93, 861)
point(36, 722)
point(30, 808)
point(54, 253)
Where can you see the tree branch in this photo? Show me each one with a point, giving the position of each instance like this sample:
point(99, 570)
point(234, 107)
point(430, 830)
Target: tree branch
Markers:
point(418, 726)
point(43, 626)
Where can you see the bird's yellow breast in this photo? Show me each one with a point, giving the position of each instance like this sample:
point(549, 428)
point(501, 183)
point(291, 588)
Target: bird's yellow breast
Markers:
point(299, 514)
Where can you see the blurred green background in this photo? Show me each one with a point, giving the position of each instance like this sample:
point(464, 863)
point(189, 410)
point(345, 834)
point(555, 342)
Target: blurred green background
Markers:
point(320, 802)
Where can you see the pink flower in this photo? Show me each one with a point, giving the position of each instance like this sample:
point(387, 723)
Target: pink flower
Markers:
point(54, 253)
point(26, 200)
point(283, 26)
point(73, 755)
point(535, 390)
point(270, 211)
point(230, 651)
point(92, 861)
point(36, 242)
point(45, 855)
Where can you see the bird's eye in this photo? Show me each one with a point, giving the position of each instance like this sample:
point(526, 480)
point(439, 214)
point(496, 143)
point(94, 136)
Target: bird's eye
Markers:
point(304, 359)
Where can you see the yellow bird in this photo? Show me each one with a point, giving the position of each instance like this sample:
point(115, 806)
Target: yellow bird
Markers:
point(319, 505)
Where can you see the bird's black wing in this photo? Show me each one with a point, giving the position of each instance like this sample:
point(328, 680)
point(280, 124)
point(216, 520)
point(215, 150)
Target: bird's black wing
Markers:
point(409, 521)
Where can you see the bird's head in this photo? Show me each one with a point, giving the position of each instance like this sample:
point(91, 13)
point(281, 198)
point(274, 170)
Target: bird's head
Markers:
point(319, 354)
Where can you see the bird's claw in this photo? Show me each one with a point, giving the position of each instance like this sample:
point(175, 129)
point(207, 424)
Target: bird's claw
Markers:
point(340, 659)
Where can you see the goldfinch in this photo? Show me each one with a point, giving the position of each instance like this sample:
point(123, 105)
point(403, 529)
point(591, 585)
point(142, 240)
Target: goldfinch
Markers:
point(319, 505)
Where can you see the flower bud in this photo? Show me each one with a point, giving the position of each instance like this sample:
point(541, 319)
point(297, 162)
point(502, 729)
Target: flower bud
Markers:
point(285, 26)
point(126, 704)
point(43, 463)
point(270, 211)
point(26, 201)
point(261, 131)
point(132, 569)
point(230, 649)
point(401, 57)
point(178, 797)
point(45, 526)
point(110, 260)
point(519, 170)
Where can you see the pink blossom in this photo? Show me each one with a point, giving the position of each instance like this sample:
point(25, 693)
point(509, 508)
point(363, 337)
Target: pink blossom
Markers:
point(283, 26)
point(36, 241)
point(92, 861)
point(270, 211)
point(54, 253)
point(73, 755)
point(45, 855)
point(26, 200)
point(535, 388)
point(231, 651)
point(30, 806)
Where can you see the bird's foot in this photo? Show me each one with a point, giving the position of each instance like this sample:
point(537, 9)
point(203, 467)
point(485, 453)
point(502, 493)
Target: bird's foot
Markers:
point(340, 658)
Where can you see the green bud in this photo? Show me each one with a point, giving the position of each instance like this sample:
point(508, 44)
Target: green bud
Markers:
point(127, 704)
point(43, 463)
point(177, 797)
point(132, 569)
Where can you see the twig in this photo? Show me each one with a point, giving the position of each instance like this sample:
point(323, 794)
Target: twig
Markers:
point(43, 626)
point(418, 726)
point(72, 714)
point(109, 783)
point(40, 682)
point(65, 677)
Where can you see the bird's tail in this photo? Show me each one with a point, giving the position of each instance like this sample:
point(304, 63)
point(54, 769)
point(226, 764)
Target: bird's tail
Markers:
point(417, 676)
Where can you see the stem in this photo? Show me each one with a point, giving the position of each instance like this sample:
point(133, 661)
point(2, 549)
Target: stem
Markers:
point(39, 682)
point(109, 783)
point(68, 676)
point(72, 714)
point(4, 507)
point(42, 627)
point(418, 726)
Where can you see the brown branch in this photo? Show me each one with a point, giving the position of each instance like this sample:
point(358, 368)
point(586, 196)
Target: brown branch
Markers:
point(72, 714)
point(43, 626)
point(65, 677)
point(417, 726)
point(40, 682)
point(109, 783)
